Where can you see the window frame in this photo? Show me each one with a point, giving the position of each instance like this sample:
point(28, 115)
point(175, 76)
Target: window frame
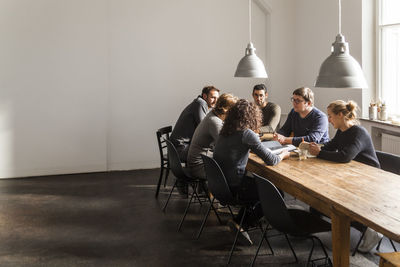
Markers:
point(378, 42)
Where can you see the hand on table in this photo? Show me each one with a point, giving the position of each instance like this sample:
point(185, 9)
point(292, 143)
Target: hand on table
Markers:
point(280, 138)
point(314, 149)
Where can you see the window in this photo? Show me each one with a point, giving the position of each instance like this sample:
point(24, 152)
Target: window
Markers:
point(389, 54)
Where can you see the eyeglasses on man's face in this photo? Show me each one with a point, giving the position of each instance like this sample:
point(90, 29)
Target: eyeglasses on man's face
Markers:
point(297, 101)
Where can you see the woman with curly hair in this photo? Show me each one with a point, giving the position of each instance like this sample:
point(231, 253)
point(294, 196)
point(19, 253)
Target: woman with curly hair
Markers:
point(237, 137)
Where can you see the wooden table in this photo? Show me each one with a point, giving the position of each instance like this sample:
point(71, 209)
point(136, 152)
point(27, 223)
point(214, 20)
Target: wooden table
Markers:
point(389, 259)
point(344, 191)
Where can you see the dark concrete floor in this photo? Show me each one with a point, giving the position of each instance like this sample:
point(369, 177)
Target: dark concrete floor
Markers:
point(113, 219)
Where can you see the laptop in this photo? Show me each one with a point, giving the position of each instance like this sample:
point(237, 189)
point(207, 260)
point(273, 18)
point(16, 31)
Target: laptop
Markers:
point(276, 147)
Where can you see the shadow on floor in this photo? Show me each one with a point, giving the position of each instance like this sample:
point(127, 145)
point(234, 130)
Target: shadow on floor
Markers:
point(113, 219)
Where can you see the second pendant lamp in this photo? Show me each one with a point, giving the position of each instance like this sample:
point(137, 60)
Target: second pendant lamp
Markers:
point(340, 69)
point(250, 65)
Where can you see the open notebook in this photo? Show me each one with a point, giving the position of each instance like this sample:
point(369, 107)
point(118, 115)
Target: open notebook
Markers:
point(276, 147)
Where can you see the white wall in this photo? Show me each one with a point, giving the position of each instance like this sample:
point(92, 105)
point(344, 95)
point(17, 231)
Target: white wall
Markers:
point(53, 84)
point(85, 84)
point(162, 53)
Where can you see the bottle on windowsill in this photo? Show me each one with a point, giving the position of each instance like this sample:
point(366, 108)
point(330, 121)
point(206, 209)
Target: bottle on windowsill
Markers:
point(383, 113)
point(373, 111)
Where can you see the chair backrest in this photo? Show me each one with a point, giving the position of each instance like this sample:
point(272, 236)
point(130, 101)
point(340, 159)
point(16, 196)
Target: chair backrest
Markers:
point(174, 161)
point(217, 183)
point(273, 206)
point(162, 135)
point(389, 162)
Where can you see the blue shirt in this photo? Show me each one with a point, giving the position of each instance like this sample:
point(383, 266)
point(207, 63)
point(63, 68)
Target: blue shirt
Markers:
point(313, 128)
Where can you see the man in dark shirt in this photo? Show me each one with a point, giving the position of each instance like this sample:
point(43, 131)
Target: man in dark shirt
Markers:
point(190, 117)
point(271, 112)
point(304, 121)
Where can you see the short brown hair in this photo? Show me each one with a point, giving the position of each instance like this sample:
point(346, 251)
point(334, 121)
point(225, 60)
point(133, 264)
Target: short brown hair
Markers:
point(224, 103)
point(208, 89)
point(305, 93)
point(243, 115)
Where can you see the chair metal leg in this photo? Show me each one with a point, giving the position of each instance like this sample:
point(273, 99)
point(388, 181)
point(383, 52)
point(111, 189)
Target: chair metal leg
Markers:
point(211, 202)
point(394, 247)
point(166, 175)
point(391, 242)
point(359, 242)
point(323, 249)
point(169, 196)
point(311, 252)
point(379, 244)
point(194, 187)
point(159, 180)
point(237, 235)
point(204, 220)
point(216, 214)
point(291, 248)
point(259, 245)
point(187, 208)
point(266, 239)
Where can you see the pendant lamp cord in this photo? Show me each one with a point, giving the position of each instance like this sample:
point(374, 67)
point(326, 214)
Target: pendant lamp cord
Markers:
point(340, 16)
point(250, 21)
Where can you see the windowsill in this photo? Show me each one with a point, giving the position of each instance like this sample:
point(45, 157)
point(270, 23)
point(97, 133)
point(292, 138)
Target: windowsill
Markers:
point(388, 123)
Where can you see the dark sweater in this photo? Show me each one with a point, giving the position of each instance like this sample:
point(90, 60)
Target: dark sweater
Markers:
point(187, 122)
point(354, 143)
point(313, 128)
point(232, 153)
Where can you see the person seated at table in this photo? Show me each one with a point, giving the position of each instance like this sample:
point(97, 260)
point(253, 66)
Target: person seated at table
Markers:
point(206, 135)
point(237, 138)
point(187, 122)
point(271, 112)
point(351, 141)
point(190, 117)
point(304, 122)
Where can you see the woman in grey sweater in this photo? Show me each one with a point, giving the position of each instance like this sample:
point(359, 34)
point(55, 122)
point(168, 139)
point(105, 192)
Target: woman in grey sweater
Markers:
point(206, 135)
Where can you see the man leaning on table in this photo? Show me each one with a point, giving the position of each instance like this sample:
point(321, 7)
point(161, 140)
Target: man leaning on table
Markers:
point(190, 117)
point(304, 122)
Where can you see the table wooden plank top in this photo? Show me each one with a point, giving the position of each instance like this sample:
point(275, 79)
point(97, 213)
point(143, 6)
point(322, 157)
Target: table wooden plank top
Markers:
point(361, 192)
point(389, 259)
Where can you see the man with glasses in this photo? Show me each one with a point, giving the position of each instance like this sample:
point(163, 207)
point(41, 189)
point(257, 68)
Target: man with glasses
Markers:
point(304, 122)
point(271, 112)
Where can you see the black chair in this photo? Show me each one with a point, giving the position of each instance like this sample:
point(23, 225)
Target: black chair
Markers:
point(162, 135)
point(294, 222)
point(219, 188)
point(183, 177)
point(391, 163)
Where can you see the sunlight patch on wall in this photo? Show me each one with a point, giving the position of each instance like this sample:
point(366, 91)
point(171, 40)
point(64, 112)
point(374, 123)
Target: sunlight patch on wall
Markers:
point(6, 141)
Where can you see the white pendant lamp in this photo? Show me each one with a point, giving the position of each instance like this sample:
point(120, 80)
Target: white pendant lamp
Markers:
point(250, 65)
point(340, 69)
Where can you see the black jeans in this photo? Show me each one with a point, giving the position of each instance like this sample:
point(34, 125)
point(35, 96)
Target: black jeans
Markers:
point(248, 192)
